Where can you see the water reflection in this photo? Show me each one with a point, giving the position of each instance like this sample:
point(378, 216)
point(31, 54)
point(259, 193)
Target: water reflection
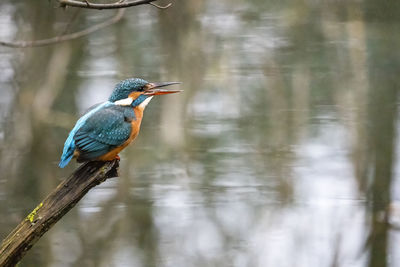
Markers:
point(280, 152)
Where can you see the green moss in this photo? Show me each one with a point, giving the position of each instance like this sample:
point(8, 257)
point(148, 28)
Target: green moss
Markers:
point(103, 170)
point(32, 215)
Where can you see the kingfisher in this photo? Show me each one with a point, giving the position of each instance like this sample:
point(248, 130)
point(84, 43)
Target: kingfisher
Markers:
point(108, 127)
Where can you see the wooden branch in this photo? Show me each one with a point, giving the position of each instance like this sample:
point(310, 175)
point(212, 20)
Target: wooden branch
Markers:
point(66, 37)
point(53, 208)
point(119, 4)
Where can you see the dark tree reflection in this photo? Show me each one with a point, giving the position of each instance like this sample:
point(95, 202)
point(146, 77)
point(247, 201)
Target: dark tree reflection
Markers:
point(382, 121)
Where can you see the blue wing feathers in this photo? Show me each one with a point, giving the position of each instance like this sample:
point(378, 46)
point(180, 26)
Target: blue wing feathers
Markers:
point(103, 132)
point(97, 132)
point(69, 146)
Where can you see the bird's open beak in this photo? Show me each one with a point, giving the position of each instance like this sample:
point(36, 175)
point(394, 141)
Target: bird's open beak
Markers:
point(153, 88)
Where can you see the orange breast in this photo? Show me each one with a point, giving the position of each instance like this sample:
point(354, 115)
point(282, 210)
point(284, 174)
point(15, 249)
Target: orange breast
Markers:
point(135, 131)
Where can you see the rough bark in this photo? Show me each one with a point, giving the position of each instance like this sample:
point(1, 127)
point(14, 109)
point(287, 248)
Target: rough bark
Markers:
point(53, 208)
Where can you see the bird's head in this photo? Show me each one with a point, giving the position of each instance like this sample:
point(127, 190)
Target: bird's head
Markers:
point(138, 92)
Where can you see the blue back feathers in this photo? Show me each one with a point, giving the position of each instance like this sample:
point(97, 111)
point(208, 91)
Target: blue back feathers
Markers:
point(108, 128)
point(125, 87)
point(69, 146)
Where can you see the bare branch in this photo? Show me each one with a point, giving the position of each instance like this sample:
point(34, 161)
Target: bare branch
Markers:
point(119, 4)
point(53, 208)
point(67, 37)
point(161, 7)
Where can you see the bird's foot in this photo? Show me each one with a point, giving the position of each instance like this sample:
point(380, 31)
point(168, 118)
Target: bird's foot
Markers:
point(117, 157)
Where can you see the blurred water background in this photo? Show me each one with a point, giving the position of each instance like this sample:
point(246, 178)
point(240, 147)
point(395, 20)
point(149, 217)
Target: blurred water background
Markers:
point(282, 151)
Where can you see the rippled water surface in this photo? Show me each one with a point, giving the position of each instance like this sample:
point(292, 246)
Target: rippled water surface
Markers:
point(281, 151)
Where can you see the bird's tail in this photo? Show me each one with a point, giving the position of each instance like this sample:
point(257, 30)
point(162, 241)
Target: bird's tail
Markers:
point(65, 160)
point(68, 152)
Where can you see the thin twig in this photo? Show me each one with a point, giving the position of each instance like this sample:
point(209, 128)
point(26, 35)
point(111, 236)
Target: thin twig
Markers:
point(160, 7)
point(67, 37)
point(119, 4)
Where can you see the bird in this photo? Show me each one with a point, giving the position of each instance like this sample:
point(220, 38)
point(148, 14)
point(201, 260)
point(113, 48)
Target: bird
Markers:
point(108, 127)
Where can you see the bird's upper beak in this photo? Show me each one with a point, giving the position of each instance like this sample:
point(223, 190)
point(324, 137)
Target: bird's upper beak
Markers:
point(153, 88)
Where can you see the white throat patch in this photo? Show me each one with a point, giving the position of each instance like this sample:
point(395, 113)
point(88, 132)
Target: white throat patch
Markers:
point(124, 102)
point(145, 102)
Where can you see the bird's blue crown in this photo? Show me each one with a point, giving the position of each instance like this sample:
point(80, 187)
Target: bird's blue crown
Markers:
point(125, 87)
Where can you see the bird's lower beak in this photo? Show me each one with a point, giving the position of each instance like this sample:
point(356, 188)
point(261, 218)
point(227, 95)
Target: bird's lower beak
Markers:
point(153, 88)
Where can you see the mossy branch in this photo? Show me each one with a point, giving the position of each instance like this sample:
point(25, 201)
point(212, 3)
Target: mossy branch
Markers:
point(53, 208)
